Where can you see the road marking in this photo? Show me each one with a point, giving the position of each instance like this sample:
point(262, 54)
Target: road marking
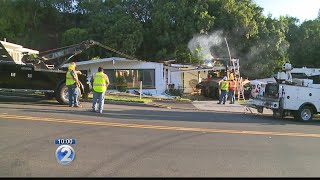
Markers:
point(144, 126)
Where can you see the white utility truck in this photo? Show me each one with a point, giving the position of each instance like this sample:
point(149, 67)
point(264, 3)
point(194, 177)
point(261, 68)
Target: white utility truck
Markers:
point(296, 93)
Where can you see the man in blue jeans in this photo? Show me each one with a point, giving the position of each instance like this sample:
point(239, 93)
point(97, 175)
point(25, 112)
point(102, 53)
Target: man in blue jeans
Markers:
point(223, 88)
point(100, 82)
point(232, 87)
point(71, 82)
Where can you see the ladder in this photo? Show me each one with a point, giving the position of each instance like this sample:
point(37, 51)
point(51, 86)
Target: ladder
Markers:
point(240, 90)
point(239, 81)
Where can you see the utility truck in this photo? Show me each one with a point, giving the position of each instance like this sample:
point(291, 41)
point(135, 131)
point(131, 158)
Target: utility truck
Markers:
point(296, 93)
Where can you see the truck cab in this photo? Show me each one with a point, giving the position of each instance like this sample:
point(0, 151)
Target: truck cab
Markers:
point(36, 76)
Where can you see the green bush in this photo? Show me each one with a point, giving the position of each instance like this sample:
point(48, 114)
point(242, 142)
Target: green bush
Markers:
point(121, 84)
point(174, 92)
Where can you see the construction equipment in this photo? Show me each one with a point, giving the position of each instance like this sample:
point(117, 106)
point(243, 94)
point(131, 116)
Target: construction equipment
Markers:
point(210, 87)
point(56, 58)
point(42, 73)
point(290, 96)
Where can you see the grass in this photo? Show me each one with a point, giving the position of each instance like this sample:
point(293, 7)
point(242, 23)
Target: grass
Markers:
point(184, 99)
point(241, 102)
point(124, 99)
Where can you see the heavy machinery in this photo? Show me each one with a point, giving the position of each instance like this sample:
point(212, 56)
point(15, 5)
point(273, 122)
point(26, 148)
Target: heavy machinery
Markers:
point(43, 72)
point(210, 86)
point(295, 93)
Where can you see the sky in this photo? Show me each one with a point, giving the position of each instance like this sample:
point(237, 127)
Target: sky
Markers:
point(301, 9)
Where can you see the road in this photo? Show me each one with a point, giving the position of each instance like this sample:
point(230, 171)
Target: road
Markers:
point(133, 141)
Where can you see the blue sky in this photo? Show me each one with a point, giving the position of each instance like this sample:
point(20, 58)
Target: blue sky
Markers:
point(302, 9)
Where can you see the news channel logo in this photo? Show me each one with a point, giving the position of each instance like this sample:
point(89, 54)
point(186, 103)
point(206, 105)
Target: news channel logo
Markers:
point(65, 154)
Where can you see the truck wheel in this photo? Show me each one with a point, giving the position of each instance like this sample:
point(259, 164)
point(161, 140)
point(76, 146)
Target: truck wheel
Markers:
point(277, 114)
point(62, 94)
point(305, 113)
point(260, 110)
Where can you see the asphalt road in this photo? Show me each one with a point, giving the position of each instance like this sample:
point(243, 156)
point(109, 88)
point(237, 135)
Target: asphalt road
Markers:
point(154, 142)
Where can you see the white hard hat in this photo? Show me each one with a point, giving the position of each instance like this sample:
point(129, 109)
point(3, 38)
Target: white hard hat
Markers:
point(225, 78)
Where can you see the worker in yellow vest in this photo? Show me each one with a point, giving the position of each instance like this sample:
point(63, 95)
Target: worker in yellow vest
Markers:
point(232, 87)
point(100, 82)
point(223, 88)
point(231, 75)
point(72, 84)
point(78, 90)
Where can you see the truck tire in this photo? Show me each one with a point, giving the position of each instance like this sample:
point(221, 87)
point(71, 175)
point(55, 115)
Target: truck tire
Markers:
point(277, 114)
point(260, 110)
point(305, 113)
point(62, 94)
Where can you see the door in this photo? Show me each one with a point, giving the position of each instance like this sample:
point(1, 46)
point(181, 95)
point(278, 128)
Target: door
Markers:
point(25, 75)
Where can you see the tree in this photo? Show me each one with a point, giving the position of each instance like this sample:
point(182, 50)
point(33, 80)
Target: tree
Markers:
point(74, 36)
point(304, 49)
point(157, 30)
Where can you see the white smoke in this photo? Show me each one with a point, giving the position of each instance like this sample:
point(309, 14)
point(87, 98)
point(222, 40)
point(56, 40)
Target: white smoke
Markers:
point(205, 42)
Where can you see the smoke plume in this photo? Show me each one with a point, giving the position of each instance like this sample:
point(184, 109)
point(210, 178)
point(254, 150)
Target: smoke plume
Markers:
point(206, 44)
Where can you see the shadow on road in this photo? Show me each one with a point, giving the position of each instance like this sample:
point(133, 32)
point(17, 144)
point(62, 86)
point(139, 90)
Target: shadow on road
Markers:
point(35, 100)
point(149, 113)
point(152, 114)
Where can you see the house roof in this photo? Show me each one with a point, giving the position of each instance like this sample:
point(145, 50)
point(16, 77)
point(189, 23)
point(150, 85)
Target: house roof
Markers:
point(102, 60)
point(192, 68)
point(200, 69)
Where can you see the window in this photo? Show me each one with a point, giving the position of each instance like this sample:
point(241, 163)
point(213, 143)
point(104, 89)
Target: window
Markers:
point(133, 77)
point(112, 77)
point(148, 79)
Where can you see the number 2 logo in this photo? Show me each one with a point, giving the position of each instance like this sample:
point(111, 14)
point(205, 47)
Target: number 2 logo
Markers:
point(65, 154)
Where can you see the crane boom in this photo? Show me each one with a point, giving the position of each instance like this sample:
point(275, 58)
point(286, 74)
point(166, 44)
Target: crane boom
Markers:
point(56, 58)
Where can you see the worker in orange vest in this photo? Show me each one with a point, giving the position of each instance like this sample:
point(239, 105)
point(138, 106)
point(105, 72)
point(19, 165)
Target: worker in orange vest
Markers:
point(232, 87)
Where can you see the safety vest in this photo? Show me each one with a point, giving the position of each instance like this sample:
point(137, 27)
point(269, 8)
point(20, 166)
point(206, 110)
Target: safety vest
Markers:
point(99, 82)
point(232, 85)
point(231, 76)
point(69, 79)
point(224, 85)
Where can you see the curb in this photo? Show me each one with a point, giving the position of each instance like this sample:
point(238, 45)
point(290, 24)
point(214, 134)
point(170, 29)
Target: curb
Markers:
point(126, 103)
point(161, 106)
point(170, 107)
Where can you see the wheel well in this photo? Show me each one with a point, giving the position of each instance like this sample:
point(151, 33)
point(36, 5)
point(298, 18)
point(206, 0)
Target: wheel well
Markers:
point(59, 84)
point(313, 108)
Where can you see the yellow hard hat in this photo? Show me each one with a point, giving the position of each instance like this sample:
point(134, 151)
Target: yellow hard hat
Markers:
point(71, 67)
